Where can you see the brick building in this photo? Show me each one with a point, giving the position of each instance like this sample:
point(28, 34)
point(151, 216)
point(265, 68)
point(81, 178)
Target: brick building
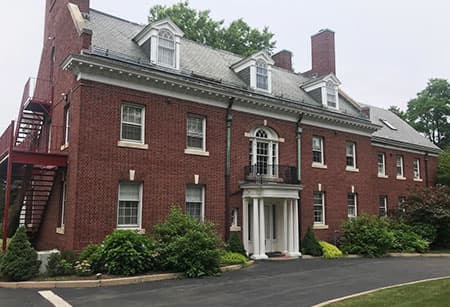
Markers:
point(126, 120)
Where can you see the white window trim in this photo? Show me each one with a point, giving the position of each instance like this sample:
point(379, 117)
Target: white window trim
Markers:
point(235, 220)
point(356, 206)
point(60, 229)
point(195, 150)
point(351, 168)
point(402, 166)
point(253, 83)
point(202, 207)
point(323, 223)
point(66, 128)
point(127, 141)
point(322, 155)
point(418, 177)
point(272, 139)
point(137, 227)
point(324, 92)
point(383, 174)
point(385, 203)
point(174, 50)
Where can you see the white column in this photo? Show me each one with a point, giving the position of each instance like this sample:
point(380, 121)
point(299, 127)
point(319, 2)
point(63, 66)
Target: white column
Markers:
point(290, 228)
point(285, 227)
point(255, 234)
point(296, 244)
point(245, 223)
point(262, 231)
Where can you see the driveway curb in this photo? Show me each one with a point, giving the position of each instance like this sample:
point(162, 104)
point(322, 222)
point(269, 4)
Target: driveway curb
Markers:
point(417, 255)
point(377, 289)
point(104, 282)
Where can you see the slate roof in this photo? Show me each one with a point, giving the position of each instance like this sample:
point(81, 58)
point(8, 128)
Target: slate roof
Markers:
point(116, 35)
point(404, 133)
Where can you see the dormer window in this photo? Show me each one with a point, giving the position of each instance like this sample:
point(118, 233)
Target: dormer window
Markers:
point(331, 95)
point(262, 75)
point(161, 41)
point(256, 71)
point(166, 48)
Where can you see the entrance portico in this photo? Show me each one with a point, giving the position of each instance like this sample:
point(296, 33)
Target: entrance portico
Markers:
point(270, 219)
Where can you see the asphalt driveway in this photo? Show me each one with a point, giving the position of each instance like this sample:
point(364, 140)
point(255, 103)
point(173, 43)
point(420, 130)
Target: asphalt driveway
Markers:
point(275, 283)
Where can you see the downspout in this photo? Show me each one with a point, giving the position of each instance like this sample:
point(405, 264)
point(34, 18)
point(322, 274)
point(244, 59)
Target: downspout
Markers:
point(427, 184)
point(299, 131)
point(229, 119)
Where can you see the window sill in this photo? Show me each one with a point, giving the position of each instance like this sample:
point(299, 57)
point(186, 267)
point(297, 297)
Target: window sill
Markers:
point(64, 147)
point(235, 228)
point(383, 176)
point(140, 231)
point(352, 169)
point(319, 165)
point(196, 152)
point(320, 226)
point(60, 230)
point(401, 178)
point(418, 179)
point(132, 145)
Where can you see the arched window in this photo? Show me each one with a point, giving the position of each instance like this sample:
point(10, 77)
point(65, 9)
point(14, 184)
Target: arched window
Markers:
point(263, 153)
point(262, 76)
point(166, 48)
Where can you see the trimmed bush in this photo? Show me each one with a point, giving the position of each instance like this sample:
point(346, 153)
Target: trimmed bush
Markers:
point(83, 268)
point(20, 260)
point(92, 254)
point(187, 245)
point(366, 235)
point(230, 258)
point(58, 266)
point(235, 245)
point(330, 251)
point(406, 239)
point(125, 252)
point(310, 245)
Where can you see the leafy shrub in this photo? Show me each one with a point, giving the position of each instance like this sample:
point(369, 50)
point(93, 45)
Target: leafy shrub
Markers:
point(69, 256)
point(425, 231)
point(125, 252)
point(310, 245)
point(20, 260)
point(330, 251)
point(187, 245)
point(58, 266)
point(92, 254)
point(83, 268)
point(366, 235)
point(235, 245)
point(406, 239)
point(230, 258)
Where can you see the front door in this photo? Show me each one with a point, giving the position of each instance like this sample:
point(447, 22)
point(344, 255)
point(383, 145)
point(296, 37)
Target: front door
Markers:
point(269, 225)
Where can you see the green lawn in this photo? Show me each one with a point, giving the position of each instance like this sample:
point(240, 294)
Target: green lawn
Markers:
point(429, 294)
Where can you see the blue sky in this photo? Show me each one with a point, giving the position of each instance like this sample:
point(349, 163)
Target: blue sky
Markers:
point(385, 50)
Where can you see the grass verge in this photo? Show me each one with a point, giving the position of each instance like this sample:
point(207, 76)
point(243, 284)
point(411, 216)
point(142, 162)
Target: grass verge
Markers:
point(430, 294)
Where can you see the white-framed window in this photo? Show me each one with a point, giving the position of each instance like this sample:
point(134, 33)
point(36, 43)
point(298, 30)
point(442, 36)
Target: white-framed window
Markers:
point(381, 164)
point(382, 205)
point(130, 205)
point(132, 125)
point(262, 75)
point(317, 150)
point(350, 155)
point(235, 217)
point(352, 205)
point(319, 208)
point(196, 132)
point(416, 168)
point(67, 125)
point(263, 153)
point(63, 201)
point(399, 163)
point(331, 95)
point(195, 201)
point(166, 48)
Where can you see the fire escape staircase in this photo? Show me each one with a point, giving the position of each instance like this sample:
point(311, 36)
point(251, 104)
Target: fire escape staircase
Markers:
point(26, 163)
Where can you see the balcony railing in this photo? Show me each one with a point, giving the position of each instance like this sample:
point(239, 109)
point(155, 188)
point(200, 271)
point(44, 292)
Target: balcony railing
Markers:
point(261, 173)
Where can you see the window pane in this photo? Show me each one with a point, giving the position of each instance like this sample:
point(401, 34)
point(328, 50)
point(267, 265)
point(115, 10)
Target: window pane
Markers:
point(194, 194)
point(129, 191)
point(194, 210)
point(350, 154)
point(132, 114)
point(382, 205)
point(128, 213)
point(131, 132)
point(195, 132)
point(318, 208)
point(317, 149)
point(351, 205)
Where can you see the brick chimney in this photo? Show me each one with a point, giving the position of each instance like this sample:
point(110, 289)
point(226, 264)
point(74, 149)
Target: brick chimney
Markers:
point(283, 59)
point(323, 53)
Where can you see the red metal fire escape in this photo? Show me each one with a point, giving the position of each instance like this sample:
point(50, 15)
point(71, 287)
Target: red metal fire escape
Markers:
point(25, 159)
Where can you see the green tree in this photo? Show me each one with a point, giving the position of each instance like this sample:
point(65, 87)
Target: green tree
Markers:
point(198, 26)
point(443, 174)
point(397, 111)
point(429, 112)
